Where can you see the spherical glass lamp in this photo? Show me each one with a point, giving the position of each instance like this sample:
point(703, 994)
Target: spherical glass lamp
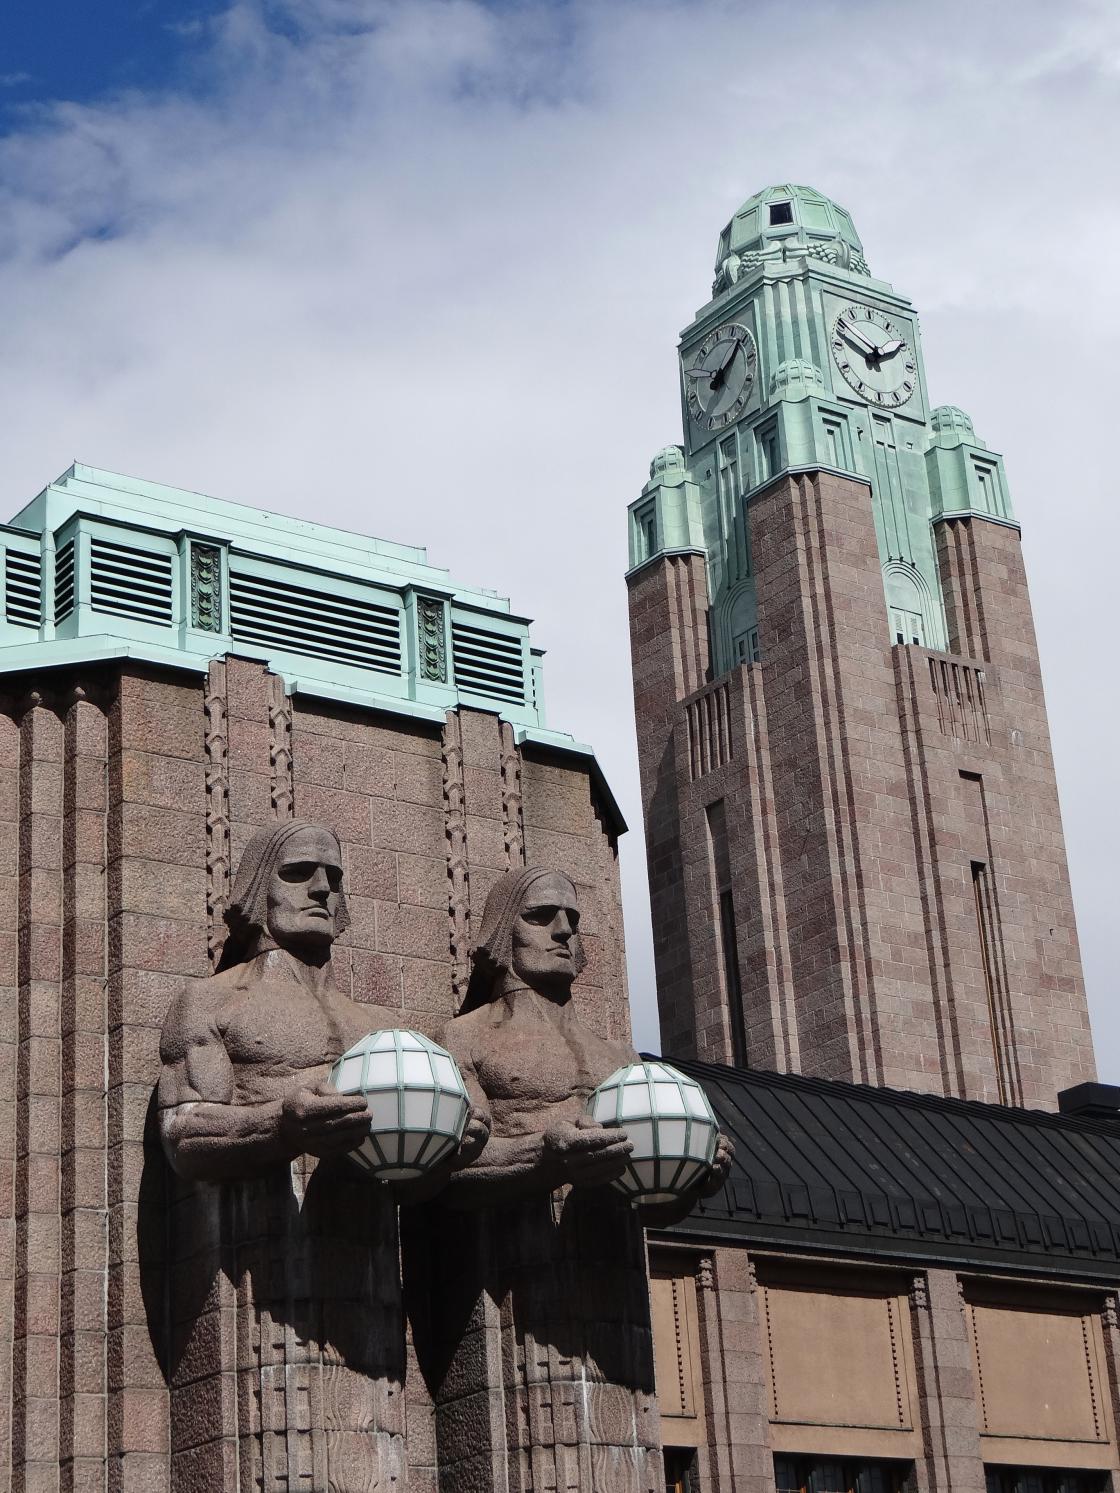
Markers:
point(670, 1123)
point(417, 1102)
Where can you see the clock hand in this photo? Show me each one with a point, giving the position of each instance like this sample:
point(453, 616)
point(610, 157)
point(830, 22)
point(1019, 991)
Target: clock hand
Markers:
point(719, 374)
point(857, 339)
point(889, 349)
point(698, 373)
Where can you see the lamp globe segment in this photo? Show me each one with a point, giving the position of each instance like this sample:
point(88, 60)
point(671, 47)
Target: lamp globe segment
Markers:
point(670, 1124)
point(416, 1098)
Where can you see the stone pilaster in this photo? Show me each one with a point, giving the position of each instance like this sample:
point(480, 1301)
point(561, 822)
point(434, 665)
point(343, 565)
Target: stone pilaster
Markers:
point(946, 1387)
point(856, 937)
point(157, 928)
point(668, 602)
point(10, 743)
point(738, 1456)
point(38, 1235)
point(84, 1027)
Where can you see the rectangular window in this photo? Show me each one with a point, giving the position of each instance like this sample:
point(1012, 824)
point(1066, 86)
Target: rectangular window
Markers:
point(719, 851)
point(837, 442)
point(747, 650)
point(680, 1464)
point(780, 212)
point(769, 451)
point(729, 473)
point(829, 1475)
point(907, 627)
point(1041, 1480)
point(647, 528)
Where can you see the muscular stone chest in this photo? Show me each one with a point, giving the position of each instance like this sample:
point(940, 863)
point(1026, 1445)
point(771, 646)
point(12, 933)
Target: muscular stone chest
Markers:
point(529, 1063)
point(279, 1029)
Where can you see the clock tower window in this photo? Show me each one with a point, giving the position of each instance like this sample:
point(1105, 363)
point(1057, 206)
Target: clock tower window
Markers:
point(907, 627)
point(647, 529)
point(780, 212)
point(769, 451)
point(747, 650)
point(729, 473)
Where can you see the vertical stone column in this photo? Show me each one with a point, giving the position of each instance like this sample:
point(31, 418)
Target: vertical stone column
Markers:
point(668, 602)
point(770, 1016)
point(85, 1216)
point(736, 1392)
point(36, 1444)
point(990, 620)
point(9, 1046)
point(1110, 1330)
point(251, 789)
point(857, 944)
point(946, 1387)
point(157, 910)
point(728, 843)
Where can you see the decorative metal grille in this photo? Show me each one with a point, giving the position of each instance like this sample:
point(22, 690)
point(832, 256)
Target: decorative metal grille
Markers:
point(23, 588)
point(488, 663)
point(64, 582)
point(126, 582)
point(320, 624)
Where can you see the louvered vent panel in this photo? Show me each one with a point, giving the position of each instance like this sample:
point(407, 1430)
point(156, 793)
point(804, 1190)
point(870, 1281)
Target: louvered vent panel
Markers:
point(23, 589)
point(488, 663)
point(318, 624)
point(64, 581)
point(130, 583)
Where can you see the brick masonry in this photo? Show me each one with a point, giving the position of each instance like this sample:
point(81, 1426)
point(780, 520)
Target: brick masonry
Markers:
point(126, 797)
point(902, 910)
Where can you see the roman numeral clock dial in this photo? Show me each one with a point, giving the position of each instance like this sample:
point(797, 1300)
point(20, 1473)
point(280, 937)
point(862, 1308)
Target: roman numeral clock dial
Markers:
point(874, 357)
point(719, 379)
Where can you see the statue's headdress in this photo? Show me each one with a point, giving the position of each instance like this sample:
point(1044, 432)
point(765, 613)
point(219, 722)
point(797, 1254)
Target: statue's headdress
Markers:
point(492, 955)
point(247, 913)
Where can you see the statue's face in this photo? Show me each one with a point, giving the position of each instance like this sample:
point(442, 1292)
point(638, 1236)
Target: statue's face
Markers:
point(544, 935)
point(305, 890)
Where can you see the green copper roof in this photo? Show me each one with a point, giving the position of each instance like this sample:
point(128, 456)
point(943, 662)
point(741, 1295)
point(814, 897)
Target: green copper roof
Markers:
point(779, 219)
point(100, 566)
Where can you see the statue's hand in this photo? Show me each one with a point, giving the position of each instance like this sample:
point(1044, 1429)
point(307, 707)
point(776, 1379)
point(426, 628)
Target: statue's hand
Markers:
point(588, 1154)
point(475, 1136)
point(721, 1166)
point(319, 1122)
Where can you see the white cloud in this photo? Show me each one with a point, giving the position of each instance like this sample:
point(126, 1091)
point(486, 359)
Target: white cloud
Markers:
point(420, 267)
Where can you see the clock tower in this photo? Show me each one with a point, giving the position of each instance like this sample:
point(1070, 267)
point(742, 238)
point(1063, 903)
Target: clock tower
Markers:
point(855, 850)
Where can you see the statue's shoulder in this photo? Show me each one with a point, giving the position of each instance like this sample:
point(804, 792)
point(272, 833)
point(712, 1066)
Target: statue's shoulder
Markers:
point(195, 1012)
point(460, 1033)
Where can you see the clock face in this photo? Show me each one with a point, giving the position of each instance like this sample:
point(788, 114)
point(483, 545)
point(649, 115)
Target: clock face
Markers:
point(873, 356)
point(720, 376)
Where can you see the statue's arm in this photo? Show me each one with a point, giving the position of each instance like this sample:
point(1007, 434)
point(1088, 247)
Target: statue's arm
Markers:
point(206, 1136)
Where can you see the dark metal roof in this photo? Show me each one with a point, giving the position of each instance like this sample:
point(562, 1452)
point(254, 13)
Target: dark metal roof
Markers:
point(849, 1169)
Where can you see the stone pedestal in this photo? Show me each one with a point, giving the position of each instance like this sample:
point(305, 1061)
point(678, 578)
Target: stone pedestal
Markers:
point(540, 1354)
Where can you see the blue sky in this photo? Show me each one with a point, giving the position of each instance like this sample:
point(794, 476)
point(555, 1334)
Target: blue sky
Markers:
point(84, 49)
point(223, 232)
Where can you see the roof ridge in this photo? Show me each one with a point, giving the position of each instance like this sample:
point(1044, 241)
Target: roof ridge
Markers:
point(881, 1094)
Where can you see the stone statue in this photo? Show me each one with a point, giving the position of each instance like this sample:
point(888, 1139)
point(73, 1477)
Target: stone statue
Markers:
point(246, 1053)
point(530, 1062)
point(308, 1243)
point(548, 1259)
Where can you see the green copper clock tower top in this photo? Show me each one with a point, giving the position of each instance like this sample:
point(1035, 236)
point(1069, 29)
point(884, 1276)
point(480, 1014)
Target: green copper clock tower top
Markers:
point(803, 360)
point(855, 850)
